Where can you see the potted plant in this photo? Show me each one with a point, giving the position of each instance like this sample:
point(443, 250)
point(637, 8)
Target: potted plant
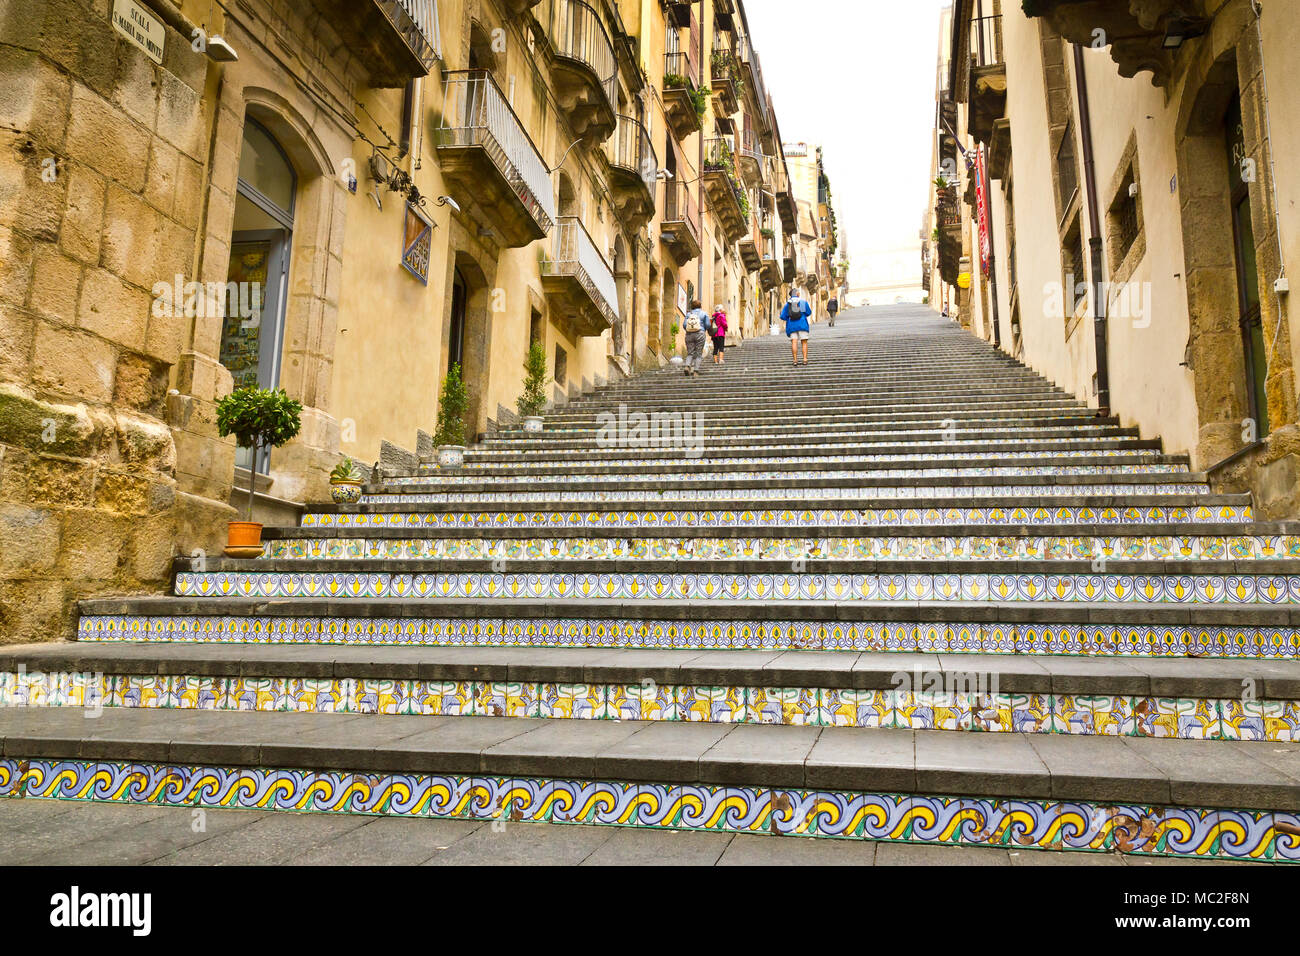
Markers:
point(345, 482)
point(533, 401)
point(258, 418)
point(672, 331)
point(450, 434)
point(941, 187)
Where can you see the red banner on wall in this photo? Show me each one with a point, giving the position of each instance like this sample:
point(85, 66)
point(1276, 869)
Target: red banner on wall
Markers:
point(982, 200)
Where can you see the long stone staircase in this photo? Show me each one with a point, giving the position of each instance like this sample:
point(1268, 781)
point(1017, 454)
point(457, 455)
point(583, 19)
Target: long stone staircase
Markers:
point(910, 592)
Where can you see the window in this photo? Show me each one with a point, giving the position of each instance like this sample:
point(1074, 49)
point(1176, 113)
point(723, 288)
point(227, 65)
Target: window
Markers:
point(561, 367)
point(1067, 170)
point(1124, 219)
point(1075, 268)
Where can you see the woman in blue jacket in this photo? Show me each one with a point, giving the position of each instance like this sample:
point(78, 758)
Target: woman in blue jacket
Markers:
point(795, 315)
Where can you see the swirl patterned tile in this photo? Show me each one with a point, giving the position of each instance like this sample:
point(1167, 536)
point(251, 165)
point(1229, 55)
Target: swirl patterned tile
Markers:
point(928, 819)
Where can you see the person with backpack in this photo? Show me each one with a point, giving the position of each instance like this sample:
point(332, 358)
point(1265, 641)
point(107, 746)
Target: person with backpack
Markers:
point(832, 309)
point(795, 315)
point(696, 327)
point(719, 333)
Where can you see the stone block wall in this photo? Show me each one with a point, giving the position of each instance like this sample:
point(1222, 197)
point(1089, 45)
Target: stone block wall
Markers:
point(102, 158)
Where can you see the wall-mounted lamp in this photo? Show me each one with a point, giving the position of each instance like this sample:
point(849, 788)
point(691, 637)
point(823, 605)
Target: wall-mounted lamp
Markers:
point(1181, 29)
point(220, 51)
point(449, 202)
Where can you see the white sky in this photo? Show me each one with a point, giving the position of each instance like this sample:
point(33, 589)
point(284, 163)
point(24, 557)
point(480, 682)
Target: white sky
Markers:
point(857, 77)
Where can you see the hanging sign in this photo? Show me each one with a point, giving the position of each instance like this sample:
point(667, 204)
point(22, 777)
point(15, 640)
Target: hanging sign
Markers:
point(140, 27)
point(417, 242)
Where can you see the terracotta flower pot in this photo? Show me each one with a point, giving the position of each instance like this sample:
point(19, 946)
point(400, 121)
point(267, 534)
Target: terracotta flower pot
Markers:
point(243, 539)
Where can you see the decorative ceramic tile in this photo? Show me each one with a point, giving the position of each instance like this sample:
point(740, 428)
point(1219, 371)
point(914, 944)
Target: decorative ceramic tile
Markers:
point(1049, 825)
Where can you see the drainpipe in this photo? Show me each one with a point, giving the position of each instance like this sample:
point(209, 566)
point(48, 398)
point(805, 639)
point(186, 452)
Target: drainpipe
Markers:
point(1094, 238)
point(699, 277)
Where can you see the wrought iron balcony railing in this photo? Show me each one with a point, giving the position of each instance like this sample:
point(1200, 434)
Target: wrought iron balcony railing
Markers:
point(573, 253)
point(631, 149)
point(680, 71)
point(680, 206)
point(417, 22)
point(986, 41)
point(475, 113)
point(577, 33)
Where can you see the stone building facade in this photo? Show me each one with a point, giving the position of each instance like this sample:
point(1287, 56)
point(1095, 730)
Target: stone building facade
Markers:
point(1145, 145)
point(340, 198)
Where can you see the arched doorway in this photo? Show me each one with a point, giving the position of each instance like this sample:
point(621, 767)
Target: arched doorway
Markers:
point(1250, 317)
point(667, 343)
point(469, 335)
point(1229, 334)
point(623, 282)
point(252, 335)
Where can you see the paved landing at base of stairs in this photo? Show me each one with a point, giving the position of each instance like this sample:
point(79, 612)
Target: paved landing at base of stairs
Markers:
point(59, 833)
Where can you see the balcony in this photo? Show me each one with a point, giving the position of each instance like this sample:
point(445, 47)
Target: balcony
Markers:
point(771, 273)
point(681, 223)
point(786, 207)
point(988, 78)
point(578, 282)
point(1143, 36)
point(518, 7)
point(585, 69)
point(724, 69)
point(752, 73)
point(727, 197)
point(396, 40)
point(751, 245)
point(681, 94)
point(633, 172)
point(501, 181)
point(791, 261)
point(751, 156)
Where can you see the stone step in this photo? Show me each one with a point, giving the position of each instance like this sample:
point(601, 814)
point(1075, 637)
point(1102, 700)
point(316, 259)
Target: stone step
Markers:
point(677, 447)
point(1187, 543)
point(649, 494)
point(1128, 510)
point(866, 425)
point(832, 411)
point(674, 433)
point(1173, 698)
point(1231, 799)
point(792, 398)
point(740, 581)
point(766, 418)
point(955, 627)
point(790, 468)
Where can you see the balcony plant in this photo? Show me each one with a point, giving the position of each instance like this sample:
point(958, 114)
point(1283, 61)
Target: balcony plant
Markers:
point(258, 418)
point(675, 81)
point(449, 437)
point(700, 100)
point(532, 402)
point(345, 482)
